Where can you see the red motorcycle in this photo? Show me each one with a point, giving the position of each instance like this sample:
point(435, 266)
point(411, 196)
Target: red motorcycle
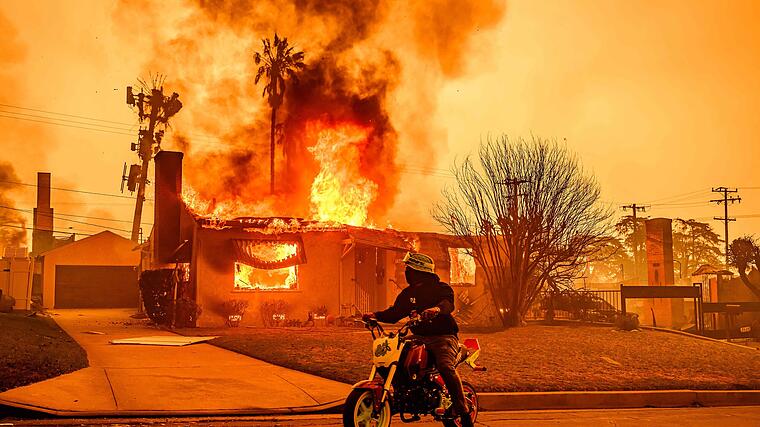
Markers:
point(403, 380)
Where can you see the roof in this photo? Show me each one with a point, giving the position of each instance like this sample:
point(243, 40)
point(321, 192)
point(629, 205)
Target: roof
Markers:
point(86, 240)
point(386, 239)
point(709, 269)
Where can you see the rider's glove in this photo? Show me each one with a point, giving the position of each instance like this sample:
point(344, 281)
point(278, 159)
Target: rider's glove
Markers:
point(430, 313)
point(366, 317)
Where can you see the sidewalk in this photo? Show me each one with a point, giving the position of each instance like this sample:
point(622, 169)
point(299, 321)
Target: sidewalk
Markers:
point(200, 379)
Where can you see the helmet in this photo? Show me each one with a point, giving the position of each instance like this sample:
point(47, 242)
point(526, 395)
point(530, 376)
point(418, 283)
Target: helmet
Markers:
point(419, 262)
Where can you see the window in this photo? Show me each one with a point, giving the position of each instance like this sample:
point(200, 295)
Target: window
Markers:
point(273, 266)
point(462, 271)
point(256, 279)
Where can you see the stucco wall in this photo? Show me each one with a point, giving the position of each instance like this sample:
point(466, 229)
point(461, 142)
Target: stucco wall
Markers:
point(105, 248)
point(318, 279)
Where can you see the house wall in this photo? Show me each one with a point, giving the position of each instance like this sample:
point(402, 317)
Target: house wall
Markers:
point(101, 249)
point(734, 290)
point(473, 304)
point(319, 280)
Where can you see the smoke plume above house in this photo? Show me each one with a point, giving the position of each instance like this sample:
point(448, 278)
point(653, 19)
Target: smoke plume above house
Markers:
point(13, 230)
point(363, 102)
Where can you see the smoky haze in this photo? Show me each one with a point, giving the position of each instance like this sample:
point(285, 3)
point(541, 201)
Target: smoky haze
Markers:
point(359, 56)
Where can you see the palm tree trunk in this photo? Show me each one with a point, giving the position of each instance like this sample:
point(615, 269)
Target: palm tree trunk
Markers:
point(271, 151)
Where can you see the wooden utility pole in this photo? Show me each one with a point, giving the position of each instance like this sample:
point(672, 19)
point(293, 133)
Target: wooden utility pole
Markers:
point(160, 109)
point(725, 218)
point(634, 209)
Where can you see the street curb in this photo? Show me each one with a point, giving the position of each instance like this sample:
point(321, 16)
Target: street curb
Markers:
point(617, 399)
point(690, 335)
point(324, 408)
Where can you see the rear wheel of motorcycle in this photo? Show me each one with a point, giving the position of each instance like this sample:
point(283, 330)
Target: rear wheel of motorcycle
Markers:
point(471, 396)
point(357, 411)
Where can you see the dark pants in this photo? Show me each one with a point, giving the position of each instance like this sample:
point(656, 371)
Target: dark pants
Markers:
point(444, 349)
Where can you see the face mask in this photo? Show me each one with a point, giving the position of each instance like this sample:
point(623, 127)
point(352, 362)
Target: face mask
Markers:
point(412, 276)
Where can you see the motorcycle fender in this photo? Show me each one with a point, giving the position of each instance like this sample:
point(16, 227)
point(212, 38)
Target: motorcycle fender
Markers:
point(376, 387)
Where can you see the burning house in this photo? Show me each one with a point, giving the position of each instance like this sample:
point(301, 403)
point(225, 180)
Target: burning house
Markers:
point(305, 266)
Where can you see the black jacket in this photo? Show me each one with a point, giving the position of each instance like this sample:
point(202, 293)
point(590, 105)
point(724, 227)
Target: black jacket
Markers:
point(420, 297)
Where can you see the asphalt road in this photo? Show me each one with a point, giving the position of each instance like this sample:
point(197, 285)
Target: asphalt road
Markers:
point(736, 416)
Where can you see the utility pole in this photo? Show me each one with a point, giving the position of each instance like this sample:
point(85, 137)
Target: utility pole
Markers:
point(513, 201)
point(725, 218)
point(159, 109)
point(634, 209)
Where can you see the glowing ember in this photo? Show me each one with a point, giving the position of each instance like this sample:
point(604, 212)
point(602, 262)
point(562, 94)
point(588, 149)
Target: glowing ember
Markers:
point(462, 266)
point(340, 192)
point(252, 278)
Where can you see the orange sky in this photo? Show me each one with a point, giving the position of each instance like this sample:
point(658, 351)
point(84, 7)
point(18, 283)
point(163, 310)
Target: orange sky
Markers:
point(659, 99)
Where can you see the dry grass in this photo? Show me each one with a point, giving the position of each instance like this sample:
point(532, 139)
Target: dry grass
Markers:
point(33, 349)
point(532, 358)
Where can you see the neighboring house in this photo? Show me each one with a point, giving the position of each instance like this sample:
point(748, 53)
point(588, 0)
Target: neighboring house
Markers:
point(303, 265)
point(99, 271)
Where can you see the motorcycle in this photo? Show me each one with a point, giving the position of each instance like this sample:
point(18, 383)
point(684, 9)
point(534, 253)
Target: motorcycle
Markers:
point(403, 380)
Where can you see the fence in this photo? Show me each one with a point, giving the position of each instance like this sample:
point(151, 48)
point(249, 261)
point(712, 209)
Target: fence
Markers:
point(576, 304)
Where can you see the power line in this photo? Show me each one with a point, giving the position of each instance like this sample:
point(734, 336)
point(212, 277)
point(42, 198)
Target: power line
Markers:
point(45, 229)
point(198, 135)
point(61, 114)
point(65, 125)
point(95, 193)
point(66, 219)
point(680, 196)
point(58, 214)
point(129, 129)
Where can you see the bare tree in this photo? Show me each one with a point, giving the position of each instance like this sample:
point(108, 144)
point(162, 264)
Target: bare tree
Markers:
point(744, 254)
point(530, 215)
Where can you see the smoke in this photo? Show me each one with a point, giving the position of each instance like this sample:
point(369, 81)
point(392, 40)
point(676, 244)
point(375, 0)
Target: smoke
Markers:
point(12, 223)
point(373, 63)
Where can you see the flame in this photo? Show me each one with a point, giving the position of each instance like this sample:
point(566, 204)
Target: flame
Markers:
point(462, 266)
point(251, 278)
point(339, 192)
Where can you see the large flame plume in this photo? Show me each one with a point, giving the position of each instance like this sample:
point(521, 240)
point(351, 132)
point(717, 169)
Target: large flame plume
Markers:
point(340, 192)
point(365, 97)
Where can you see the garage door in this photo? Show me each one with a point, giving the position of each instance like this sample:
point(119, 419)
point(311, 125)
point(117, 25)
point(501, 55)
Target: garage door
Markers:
point(90, 286)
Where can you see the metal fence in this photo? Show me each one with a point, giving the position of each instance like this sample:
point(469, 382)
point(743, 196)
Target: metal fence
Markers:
point(576, 304)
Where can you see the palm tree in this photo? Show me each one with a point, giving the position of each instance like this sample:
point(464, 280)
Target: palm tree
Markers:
point(277, 62)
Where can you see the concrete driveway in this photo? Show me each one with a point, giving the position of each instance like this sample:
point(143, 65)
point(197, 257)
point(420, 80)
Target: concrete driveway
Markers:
point(198, 379)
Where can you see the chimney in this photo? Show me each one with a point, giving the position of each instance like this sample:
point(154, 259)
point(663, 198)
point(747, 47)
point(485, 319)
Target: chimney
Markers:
point(659, 246)
point(168, 205)
point(42, 234)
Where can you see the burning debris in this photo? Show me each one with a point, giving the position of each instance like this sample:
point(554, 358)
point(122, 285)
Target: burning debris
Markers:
point(343, 126)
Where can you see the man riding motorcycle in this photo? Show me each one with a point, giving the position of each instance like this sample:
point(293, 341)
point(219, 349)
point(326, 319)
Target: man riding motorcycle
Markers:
point(433, 300)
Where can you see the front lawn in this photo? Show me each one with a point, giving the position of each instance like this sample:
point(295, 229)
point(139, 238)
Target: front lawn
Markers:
point(531, 358)
point(33, 349)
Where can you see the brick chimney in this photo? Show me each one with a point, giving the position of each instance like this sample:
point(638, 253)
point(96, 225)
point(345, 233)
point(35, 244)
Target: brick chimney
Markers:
point(659, 245)
point(42, 233)
point(167, 235)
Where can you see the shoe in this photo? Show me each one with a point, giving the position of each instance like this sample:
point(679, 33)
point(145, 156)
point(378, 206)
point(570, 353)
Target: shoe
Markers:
point(466, 420)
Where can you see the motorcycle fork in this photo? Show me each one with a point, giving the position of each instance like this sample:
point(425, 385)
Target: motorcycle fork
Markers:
point(384, 392)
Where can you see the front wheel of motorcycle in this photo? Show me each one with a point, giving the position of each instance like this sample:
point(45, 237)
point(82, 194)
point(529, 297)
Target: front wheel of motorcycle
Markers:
point(357, 411)
point(471, 397)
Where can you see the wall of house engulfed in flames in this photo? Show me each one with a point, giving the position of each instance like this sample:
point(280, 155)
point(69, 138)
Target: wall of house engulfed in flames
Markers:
point(318, 279)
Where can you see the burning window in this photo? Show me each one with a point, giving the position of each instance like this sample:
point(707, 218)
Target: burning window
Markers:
point(462, 267)
point(267, 265)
